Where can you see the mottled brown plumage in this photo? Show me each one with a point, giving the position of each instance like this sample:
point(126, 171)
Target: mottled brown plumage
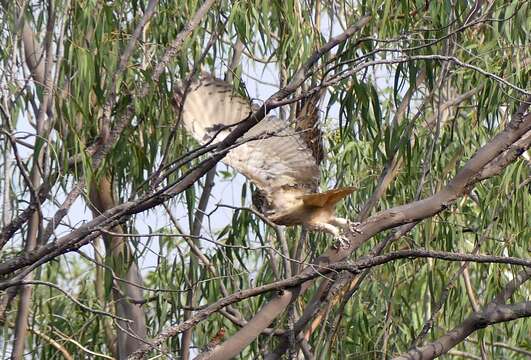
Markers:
point(280, 160)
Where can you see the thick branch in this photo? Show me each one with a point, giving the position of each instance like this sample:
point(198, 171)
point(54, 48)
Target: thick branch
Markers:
point(118, 251)
point(495, 312)
point(295, 281)
point(491, 315)
point(508, 156)
point(400, 215)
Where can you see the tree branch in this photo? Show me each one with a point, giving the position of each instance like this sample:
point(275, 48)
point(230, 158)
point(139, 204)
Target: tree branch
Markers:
point(384, 220)
point(295, 281)
point(98, 152)
point(493, 313)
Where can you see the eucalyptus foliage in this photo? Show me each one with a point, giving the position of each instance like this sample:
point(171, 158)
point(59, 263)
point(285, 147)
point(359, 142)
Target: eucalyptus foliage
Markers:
point(371, 126)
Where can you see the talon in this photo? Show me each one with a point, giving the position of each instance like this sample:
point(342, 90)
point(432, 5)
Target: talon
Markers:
point(341, 242)
point(354, 226)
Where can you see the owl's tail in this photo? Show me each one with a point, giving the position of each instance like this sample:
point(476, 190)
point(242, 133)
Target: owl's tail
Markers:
point(327, 198)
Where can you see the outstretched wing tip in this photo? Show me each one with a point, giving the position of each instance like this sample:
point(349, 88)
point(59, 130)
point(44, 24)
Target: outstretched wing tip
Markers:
point(308, 122)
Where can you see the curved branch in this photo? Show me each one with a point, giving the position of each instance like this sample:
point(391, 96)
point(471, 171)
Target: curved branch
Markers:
point(412, 212)
point(297, 280)
point(494, 313)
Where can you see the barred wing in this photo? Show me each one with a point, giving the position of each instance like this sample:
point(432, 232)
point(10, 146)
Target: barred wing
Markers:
point(272, 154)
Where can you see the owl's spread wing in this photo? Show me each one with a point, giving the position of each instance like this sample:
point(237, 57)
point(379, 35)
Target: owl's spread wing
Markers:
point(272, 154)
point(307, 116)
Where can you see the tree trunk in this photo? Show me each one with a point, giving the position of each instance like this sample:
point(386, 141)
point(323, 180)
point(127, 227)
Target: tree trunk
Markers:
point(130, 336)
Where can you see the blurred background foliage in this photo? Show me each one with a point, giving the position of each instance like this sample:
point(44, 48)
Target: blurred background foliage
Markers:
point(450, 113)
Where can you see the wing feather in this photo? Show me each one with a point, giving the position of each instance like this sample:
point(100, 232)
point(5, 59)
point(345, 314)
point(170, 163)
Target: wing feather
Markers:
point(211, 105)
point(272, 155)
point(280, 158)
point(308, 121)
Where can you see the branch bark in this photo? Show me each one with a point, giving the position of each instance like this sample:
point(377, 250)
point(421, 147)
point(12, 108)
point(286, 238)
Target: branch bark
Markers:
point(296, 282)
point(495, 312)
point(41, 71)
point(384, 220)
point(122, 262)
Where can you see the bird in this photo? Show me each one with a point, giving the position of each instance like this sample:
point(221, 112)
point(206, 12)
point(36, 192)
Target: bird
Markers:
point(282, 161)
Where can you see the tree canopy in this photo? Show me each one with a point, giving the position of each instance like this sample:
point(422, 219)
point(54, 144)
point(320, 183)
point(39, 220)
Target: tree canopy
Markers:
point(123, 238)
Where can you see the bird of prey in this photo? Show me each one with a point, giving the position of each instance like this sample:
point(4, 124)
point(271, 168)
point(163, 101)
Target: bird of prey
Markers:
point(282, 161)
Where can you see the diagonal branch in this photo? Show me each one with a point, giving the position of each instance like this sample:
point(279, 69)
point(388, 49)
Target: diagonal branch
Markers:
point(491, 315)
point(437, 306)
point(495, 312)
point(124, 60)
point(384, 220)
point(107, 141)
point(293, 282)
point(98, 152)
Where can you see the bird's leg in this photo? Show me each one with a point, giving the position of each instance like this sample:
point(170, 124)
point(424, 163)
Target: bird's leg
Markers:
point(329, 228)
point(333, 230)
point(346, 224)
